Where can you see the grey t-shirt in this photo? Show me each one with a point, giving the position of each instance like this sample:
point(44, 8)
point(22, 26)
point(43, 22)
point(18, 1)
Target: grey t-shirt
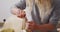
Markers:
point(53, 18)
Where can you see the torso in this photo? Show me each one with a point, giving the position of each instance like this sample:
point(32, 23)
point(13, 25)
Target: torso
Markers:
point(44, 10)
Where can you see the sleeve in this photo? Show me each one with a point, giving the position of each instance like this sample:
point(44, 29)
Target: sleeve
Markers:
point(56, 14)
point(21, 4)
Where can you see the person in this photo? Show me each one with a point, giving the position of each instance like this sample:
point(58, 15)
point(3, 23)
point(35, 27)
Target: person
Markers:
point(46, 19)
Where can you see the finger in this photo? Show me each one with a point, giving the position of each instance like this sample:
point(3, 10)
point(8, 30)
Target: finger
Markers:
point(29, 26)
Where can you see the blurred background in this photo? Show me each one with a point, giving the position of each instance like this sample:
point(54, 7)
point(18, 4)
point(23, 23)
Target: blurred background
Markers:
point(5, 7)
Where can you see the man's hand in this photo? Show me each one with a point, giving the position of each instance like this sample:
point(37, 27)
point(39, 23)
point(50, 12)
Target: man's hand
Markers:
point(30, 25)
point(18, 12)
point(21, 14)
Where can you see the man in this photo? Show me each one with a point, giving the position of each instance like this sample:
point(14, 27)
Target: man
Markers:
point(45, 22)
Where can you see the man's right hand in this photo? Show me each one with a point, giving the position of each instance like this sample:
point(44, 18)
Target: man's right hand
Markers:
point(21, 14)
point(18, 12)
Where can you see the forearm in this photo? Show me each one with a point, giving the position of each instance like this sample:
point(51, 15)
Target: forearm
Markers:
point(44, 27)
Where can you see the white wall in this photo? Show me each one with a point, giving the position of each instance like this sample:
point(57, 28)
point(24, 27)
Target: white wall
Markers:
point(5, 7)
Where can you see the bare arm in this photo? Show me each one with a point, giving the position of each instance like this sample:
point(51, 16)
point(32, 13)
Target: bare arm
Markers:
point(29, 8)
